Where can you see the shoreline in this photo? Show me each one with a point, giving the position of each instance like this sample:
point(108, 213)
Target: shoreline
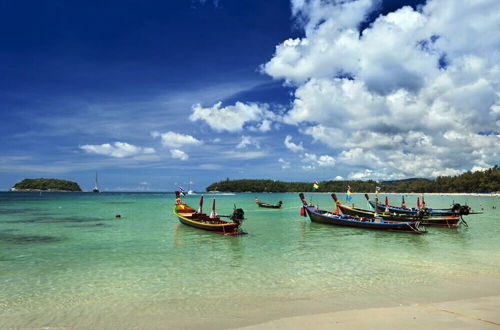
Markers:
point(466, 303)
point(442, 194)
point(495, 194)
point(14, 190)
point(469, 303)
point(474, 313)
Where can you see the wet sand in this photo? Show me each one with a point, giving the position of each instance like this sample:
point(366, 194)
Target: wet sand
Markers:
point(477, 313)
point(474, 312)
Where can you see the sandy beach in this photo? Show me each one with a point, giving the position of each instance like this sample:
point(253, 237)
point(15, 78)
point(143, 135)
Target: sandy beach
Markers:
point(477, 313)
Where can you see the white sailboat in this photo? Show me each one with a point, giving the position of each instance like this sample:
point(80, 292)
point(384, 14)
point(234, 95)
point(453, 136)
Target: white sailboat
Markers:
point(190, 192)
point(96, 187)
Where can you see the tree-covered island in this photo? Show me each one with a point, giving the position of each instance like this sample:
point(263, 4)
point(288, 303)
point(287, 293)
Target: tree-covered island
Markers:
point(487, 181)
point(49, 185)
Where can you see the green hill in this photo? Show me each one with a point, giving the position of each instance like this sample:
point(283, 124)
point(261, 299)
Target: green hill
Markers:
point(42, 184)
point(468, 182)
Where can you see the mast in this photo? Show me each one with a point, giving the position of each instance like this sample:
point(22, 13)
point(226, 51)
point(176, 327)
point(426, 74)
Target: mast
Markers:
point(96, 187)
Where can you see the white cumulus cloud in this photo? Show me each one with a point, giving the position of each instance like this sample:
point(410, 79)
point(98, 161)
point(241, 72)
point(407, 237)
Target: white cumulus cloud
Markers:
point(248, 141)
point(413, 94)
point(233, 118)
point(172, 139)
point(321, 161)
point(179, 154)
point(292, 146)
point(116, 149)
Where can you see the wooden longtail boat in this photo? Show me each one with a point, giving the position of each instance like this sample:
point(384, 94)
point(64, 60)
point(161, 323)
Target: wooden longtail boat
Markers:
point(269, 206)
point(328, 217)
point(212, 222)
point(455, 210)
point(433, 221)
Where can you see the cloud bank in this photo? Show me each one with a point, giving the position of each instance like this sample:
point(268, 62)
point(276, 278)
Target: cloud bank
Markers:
point(414, 94)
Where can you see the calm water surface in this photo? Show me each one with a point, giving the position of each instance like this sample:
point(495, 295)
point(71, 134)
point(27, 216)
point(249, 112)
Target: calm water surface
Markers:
point(66, 261)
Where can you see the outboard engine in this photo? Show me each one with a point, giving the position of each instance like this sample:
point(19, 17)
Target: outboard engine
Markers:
point(456, 208)
point(423, 213)
point(238, 215)
point(464, 210)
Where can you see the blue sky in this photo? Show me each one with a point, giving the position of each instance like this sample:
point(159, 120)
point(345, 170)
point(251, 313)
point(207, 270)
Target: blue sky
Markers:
point(153, 94)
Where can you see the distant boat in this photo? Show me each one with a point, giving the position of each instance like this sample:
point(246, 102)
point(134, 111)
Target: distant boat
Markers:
point(190, 192)
point(96, 187)
point(267, 205)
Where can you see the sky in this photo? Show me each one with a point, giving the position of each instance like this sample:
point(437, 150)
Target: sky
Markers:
point(156, 94)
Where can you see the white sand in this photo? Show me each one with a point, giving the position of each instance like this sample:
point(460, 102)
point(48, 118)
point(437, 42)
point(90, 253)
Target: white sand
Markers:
point(477, 313)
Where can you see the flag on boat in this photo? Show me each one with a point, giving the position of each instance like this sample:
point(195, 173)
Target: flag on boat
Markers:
point(181, 189)
point(315, 185)
point(377, 189)
point(348, 196)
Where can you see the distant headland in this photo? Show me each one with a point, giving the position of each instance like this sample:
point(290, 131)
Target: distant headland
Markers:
point(487, 181)
point(48, 185)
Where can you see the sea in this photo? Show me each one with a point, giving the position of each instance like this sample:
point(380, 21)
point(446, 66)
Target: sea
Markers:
point(67, 261)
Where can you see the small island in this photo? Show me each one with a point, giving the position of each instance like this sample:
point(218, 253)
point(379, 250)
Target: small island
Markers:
point(46, 185)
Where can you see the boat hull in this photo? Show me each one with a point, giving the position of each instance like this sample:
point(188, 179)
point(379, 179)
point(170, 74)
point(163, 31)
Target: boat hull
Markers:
point(399, 210)
point(321, 216)
point(433, 221)
point(229, 228)
point(269, 206)
point(189, 217)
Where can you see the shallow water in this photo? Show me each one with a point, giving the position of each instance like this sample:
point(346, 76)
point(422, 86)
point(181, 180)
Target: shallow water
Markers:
point(66, 261)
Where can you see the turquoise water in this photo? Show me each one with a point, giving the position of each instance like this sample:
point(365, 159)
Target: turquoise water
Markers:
point(66, 261)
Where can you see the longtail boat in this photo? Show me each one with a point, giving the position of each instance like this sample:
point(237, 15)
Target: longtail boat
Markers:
point(328, 217)
point(212, 222)
point(267, 205)
point(455, 210)
point(451, 221)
